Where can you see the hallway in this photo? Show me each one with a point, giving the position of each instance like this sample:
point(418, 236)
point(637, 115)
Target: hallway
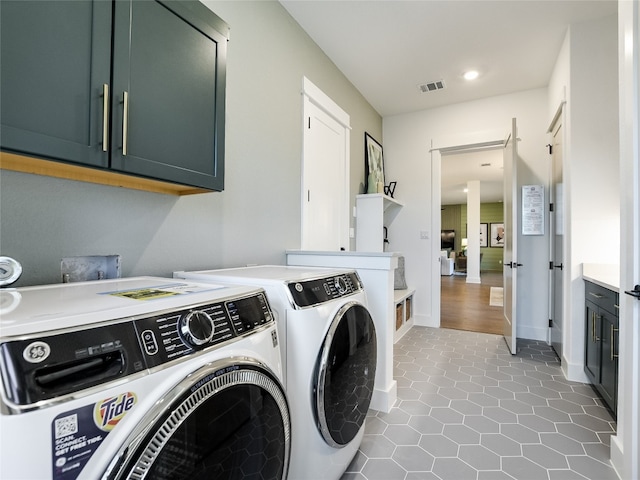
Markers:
point(469, 410)
point(465, 306)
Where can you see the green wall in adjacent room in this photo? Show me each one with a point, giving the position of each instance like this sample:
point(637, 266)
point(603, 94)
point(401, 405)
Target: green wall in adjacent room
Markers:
point(454, 217)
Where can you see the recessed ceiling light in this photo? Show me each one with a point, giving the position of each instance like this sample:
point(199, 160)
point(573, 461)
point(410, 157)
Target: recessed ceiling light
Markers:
point(471, 75)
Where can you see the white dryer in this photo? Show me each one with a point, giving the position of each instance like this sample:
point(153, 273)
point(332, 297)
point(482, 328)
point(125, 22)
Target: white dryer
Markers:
point(141, 378)
point(329, 353)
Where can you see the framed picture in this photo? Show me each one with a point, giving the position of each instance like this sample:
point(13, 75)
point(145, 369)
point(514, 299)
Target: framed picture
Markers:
point(484, 237)
point(373, 165)
point(497, 235)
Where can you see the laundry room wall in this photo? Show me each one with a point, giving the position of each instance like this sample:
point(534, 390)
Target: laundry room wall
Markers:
point(407, 140)
point(254, 220)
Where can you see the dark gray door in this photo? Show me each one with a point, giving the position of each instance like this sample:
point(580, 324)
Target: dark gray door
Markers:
point(557, 239)
point(168, 87)
point(55, 61)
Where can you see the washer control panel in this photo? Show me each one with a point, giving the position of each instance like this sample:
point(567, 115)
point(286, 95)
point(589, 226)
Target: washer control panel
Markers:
point(313, 292)
point(47, 366)
point(170, 336)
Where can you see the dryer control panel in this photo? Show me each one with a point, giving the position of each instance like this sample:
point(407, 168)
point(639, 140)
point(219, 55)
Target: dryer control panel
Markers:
point(313, 292)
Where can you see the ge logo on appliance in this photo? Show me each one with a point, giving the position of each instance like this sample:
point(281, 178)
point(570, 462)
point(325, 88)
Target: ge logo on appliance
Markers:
point(36, 352)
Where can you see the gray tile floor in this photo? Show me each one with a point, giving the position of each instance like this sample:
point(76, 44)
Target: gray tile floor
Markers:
point(468, 409)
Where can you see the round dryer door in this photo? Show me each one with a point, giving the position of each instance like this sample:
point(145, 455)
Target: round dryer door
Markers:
point(230, 421)
point(345, 374)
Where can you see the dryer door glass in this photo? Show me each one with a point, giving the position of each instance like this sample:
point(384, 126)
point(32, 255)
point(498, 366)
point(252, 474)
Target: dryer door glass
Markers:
point(231, 424)
point(345, 374)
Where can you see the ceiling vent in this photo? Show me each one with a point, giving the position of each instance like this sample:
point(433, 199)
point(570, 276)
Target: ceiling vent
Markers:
point(431, 86)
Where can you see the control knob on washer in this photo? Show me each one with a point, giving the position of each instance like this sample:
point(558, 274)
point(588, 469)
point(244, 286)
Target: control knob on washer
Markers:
point(196, 328)
point(341, 285)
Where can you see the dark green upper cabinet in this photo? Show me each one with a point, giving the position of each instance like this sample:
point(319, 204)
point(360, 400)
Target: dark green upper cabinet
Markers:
point(170, 64)
point(55, 58)
point(148, 77)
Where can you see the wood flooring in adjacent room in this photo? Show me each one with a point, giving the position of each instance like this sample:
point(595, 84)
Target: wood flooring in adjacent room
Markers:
point(465, 306)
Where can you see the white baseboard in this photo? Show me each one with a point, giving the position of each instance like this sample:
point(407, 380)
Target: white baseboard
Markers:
point(532, 333)
point(617, 457)
point(425, 321)
point(574, 371)
point(383, 400)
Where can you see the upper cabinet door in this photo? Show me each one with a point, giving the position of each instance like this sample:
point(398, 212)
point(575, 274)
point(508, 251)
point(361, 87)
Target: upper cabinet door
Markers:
point(55, 60)
point(169, 64)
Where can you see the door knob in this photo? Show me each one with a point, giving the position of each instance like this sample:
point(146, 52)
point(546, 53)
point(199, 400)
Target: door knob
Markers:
point(635, 292)
point(558, 266)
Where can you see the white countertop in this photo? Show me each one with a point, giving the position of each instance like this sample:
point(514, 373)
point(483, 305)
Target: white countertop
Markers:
point(605, 275)
point(344, 259)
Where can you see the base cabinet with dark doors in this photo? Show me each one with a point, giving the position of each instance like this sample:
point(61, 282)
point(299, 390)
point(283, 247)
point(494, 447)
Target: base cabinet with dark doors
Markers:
point(127, 86)
point(601, 348)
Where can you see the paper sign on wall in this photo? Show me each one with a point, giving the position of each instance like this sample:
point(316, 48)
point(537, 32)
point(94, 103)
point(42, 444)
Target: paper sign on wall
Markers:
point(533, 210)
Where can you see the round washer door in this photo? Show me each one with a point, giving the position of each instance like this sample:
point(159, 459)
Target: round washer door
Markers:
point(345, 374)
point(228, 421)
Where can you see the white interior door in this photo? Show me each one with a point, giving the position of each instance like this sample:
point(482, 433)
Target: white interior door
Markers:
point(325, 179)
point(511, 228)
point(557, 240)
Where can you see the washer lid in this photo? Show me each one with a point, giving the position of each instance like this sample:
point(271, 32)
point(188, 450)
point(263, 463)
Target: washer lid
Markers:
point(51, 307)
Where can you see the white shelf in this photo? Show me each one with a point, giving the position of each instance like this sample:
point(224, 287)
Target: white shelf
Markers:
point(373, 212)
point(404, 307)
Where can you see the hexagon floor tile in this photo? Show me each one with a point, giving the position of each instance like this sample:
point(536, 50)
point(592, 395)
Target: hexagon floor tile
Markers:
point(467, 408)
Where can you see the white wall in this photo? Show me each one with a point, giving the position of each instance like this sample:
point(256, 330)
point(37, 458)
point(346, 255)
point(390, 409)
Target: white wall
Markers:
point(407, 140)
point(254, 220)
point(586, 75)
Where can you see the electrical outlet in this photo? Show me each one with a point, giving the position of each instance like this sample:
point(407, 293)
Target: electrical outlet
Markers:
point(424, 235)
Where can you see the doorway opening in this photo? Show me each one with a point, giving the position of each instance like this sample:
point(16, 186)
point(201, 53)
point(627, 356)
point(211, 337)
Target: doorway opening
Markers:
point(465, 305)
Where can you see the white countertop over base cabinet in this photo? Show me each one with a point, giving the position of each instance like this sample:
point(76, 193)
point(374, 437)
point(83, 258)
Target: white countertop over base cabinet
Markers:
point(604, 274)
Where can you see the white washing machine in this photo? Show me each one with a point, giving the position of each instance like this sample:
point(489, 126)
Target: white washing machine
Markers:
point(329, 353)
point(141, 378)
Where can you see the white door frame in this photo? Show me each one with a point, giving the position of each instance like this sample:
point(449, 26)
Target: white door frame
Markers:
point(626, 444)
point(313, 94)
point(459, 144)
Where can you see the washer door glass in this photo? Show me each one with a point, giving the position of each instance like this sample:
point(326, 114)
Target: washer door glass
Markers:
point(230, 424)
point(345, 374)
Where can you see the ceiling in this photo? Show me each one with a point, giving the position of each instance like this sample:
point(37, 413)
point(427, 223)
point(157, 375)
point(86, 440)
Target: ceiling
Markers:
point(388, 48)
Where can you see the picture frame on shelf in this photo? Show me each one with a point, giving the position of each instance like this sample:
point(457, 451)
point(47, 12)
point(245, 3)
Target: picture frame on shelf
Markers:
point(484, 237)
point(373, 165)
point(497, 235)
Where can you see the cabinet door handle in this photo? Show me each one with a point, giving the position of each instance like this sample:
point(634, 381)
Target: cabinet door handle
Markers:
point(594, 337)
point(105, 116)
point(597, 295)
point(613, 344)
point(125, 121)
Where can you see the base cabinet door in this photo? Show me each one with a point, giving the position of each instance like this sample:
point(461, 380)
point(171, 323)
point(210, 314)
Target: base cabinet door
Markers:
point(601, 342)
point(609, 366)
point(593, 347)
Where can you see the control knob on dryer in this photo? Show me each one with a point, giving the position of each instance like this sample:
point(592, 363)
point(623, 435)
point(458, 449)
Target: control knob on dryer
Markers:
point(196, 328)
